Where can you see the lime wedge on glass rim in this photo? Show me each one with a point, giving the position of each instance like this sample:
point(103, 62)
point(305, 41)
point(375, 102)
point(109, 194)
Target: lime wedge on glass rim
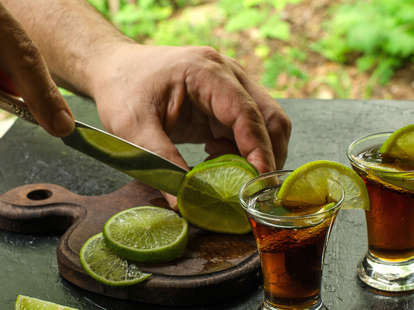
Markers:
point(31, 303)
point(400, 144)
point(147, 234)
point(311, 185)
point(208, 196)
point(102, 264)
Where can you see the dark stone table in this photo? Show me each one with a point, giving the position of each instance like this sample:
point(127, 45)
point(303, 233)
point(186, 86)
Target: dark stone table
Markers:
point(321, 130)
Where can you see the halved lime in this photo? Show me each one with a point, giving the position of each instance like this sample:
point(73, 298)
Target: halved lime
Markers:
point(400, 144)
point(147, 234)
point(102, 264)
point(208, 197)
point(229, 157)
point(31, 303)
point(311, 184)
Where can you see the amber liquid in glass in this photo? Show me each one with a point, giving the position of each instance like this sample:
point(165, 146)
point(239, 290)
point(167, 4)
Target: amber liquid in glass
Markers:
point(291, 259)
point(390, 220)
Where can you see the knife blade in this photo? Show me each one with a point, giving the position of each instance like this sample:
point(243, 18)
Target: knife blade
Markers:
point(131, 159)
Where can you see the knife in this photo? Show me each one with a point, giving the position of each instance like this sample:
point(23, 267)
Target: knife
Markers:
point(131, 159)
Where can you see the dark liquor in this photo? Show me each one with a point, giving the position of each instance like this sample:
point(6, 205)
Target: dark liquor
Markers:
point(291, 256)
point(390, 220)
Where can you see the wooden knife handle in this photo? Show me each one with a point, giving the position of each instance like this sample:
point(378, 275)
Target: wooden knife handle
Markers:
point(16, 106)
point(11, 102)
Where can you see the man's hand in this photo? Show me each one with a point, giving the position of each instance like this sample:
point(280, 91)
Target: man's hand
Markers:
point(23, 72)
point(157, 96)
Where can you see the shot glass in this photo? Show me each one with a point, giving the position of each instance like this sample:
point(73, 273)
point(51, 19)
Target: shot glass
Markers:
point(389, 262)
point(291, 243)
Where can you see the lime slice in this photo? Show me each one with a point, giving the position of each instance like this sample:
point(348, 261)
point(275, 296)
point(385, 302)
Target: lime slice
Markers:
point(147, 234)
point(30, 303)
point(102, 264)
point(400, 144)
point(393, 177)
point(208, 196)
point(311, 185)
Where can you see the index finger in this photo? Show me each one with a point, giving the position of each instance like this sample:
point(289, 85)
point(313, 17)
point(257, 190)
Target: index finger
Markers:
point(223, 97)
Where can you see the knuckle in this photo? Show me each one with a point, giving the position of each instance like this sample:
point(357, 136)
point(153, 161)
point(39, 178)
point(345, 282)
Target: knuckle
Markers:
point(279, 124)
point(29, 53)
point(209, 53)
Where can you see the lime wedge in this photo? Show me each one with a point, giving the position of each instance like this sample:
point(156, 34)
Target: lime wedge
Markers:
point(208, 196)
point(30, 303)
point(147, 234)
point(311, 185)
point(400, 144)
point(102, 264)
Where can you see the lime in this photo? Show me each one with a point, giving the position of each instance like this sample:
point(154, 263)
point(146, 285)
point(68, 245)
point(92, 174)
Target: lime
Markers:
point(311, 185)
point(400, 144)
point(147, 234)
point(208, 196)
point(229, 157)
point(102, 264)
point(110, 145)
point(30, 303)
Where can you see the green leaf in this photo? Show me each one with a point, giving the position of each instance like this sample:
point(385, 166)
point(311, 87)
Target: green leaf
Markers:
point(246, 19)
point(273, 67)
point(400, 43)
point(385, 70)
point(275, 28)
point(365, 37)
point(230, 6)
point(366, 62)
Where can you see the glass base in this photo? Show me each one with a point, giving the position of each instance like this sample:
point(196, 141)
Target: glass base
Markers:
point(268, 306)
point(387, 276)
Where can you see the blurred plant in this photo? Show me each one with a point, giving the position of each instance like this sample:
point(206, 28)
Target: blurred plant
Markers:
point(379, 33)
point(266, 17)
point(283, 63)
point(139, 19)
point(340, 82)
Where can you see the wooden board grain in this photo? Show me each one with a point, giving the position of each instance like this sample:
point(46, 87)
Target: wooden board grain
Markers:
point(214, 268)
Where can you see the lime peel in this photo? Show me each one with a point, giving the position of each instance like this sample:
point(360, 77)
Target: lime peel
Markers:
point(27, 303)
point(400, 144)
point(102, 264)
point(309, 185)
point(208, 196)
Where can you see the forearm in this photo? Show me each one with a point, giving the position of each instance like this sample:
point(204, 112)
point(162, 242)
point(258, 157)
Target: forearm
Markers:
point(69, 34)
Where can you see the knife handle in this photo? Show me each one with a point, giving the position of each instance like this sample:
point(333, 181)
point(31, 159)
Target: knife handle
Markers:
point(10, 100)
point(16, 106)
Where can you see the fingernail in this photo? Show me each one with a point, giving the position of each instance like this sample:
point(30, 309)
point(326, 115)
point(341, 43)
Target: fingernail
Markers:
point(63, 123)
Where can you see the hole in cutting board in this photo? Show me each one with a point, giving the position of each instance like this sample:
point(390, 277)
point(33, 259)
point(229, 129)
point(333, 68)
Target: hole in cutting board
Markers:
point(39, 194)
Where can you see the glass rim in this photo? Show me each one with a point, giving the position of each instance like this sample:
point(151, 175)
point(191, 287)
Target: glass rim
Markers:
point(361, 164)
point(269, 217)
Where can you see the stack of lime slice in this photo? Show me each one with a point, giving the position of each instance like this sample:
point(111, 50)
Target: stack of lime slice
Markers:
point(145, 234)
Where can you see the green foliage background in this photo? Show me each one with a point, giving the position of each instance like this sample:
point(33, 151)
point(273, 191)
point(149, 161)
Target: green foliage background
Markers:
point(378, 35)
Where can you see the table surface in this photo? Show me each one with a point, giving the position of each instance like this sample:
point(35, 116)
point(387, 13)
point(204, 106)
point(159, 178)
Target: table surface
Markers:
point(322, 129)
